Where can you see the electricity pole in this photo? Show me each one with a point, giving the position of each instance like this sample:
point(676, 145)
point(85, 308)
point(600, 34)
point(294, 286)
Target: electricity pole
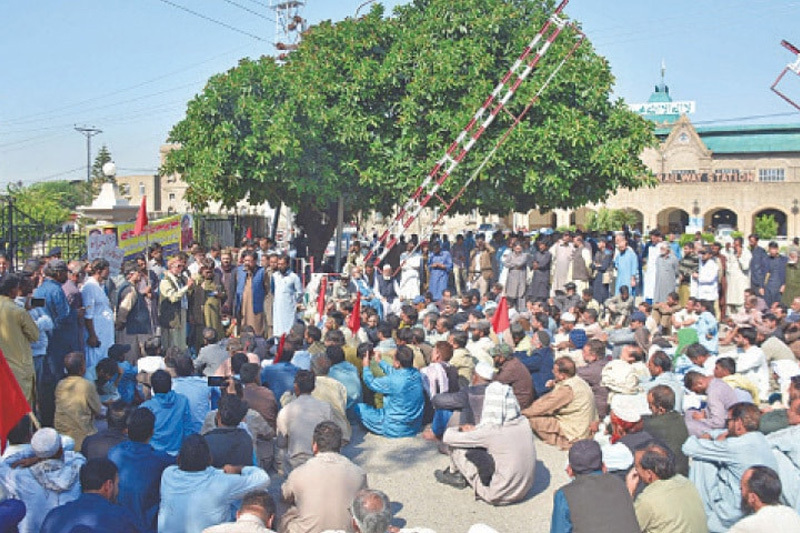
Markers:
point(89, 133)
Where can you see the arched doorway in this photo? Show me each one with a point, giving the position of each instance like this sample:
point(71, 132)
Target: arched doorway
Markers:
point(537, 220)
point(632, 218)
point(780, 218)
point(720, 218)
point(580, 218)
point(672, 220)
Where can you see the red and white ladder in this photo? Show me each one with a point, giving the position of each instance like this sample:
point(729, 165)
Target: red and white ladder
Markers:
point(794, 67)
point(466, 140)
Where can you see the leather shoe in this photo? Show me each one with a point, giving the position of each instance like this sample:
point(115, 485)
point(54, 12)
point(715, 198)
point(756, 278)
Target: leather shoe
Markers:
point(454, 479)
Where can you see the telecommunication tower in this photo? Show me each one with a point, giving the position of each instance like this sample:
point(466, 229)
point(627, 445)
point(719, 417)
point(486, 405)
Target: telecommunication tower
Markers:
point(289, 25)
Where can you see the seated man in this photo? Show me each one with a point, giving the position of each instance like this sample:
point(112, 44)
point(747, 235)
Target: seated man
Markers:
point(660, 367)
point(44, 477)
point(786, 448)
point(296, 421)
point(666, 424)
point(594, 355)
point(619, 307)
point(654, 465)
point(718, 465)
point(403, 397)
point(467, 402)
point(173, 416)
point(761, 496)
point(663, 312)
point(594, 500)
point(77, 401)
point(539, 362)
point(229, 443)
point(195, 495)
point(565, 414)
point(513, 373)
point(95, 507)
point(752, 363)
point(497, 458)
point(255, 515)
point(746, 390)
point(719, 398)
point(319, 491)
point(98, 445)
point(140, 468)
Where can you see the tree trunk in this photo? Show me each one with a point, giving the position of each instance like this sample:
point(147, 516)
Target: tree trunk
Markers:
point(318, 233)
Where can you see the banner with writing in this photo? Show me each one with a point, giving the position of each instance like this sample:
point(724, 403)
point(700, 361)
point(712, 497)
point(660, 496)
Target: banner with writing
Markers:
point(118, 243)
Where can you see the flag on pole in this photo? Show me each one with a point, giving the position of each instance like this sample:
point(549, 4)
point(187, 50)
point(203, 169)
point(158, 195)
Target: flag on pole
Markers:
point(323, 287)
point(141, 218)
point(249, 232)
point(500, 321)
point(355, 317)
point(15, 406)
point(279, 353)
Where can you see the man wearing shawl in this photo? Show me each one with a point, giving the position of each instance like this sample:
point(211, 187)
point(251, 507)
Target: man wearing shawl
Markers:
point(497, 458)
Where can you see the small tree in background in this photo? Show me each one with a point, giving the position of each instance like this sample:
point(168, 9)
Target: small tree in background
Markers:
point(766, 227)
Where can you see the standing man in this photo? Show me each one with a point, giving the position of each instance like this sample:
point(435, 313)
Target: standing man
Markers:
point(174, 304)
point(56, 306)
point(517, 265)
point(480, 266)
point(251, 290)
point(627, 266)
point(17, 332)
point(737, 271)
point(581, 264)
point(270, 267)
point(707, 277)
point(133, 313)
point(460, 257)
point(99, 316)
point(758, 257)
point(650, 253)
point(666, 266)
point(288, 291)
point(773, 282)
point(539, 287)
point(562, 259)
point(440, 264)
point(228, 279)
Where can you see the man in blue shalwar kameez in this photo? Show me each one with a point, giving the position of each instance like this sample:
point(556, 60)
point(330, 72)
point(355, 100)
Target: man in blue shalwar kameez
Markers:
point(440, 263)
point(403, 397)
point(719, 464)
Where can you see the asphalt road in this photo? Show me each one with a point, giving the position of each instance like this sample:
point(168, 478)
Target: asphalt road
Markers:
point(403, 469)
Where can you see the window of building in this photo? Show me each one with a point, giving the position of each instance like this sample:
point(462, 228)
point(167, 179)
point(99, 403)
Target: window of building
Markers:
point(771, 174)
point(171, 196)
point(141, 188)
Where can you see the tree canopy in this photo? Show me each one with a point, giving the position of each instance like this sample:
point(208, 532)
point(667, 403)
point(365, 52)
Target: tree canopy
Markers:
point(366, 106)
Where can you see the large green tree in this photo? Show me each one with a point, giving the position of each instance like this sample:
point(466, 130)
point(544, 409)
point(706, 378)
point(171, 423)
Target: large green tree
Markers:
point(366, 106)
point(49, 202)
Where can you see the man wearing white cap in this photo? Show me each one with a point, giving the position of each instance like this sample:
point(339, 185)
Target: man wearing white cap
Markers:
point(44, 477)
point(497, 458)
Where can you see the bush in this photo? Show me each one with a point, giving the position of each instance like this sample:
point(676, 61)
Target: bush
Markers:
point(766, 227)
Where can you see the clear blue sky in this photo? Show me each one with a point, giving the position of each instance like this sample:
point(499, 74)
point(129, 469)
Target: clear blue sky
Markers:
point(129, 67)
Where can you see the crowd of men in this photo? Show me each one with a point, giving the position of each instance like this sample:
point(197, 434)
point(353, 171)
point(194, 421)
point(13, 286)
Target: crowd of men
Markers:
point(163, 396)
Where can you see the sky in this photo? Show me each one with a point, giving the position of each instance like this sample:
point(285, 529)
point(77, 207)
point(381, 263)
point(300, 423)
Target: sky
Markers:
point(128, 67)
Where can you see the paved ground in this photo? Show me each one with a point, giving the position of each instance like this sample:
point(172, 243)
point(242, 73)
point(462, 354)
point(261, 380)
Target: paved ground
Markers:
point(403, 469)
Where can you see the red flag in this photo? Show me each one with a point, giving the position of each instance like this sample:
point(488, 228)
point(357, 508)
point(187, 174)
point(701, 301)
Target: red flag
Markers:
point(355, 317)
point(323, 286)
point(279, 353)
point(249, 233)
point(141, 218)
point(500, 321)
point(15, 406)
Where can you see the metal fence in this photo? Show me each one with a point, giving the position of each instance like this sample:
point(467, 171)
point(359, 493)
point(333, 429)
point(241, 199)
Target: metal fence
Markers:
point(229, 230)
point(23, 237)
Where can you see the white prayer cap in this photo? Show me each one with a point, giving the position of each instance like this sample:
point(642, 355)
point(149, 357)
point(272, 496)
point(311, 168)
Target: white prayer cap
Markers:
point(46, 442)
point(626, 408)
point(567, 317)
point(617, 457)
point(481, 528)
point(484, 370)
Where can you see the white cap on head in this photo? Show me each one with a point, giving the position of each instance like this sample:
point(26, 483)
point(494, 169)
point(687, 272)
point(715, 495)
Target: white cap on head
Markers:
point(484, 370)
point(45, 443)
point(567, 317)
point(626, 408)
